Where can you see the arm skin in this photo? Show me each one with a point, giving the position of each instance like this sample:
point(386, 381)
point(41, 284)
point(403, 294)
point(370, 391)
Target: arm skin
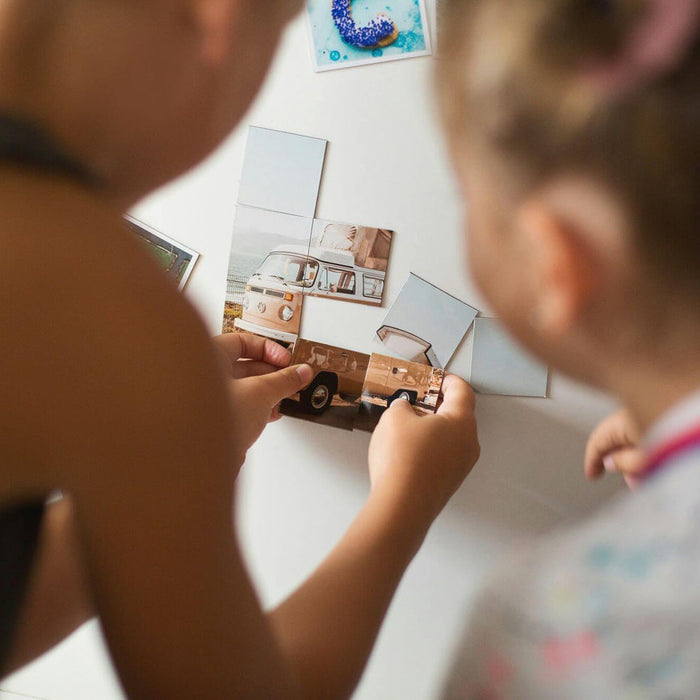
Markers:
point(336, 615)
point(119, 399)
point(416, 463)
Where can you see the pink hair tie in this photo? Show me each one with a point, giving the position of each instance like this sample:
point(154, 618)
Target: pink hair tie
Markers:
point(659, 42)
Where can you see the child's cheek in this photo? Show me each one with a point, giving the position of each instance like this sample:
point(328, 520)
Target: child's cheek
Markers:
point(480, 262)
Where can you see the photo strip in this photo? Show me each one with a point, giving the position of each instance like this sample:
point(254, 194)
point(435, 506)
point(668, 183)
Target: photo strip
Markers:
point(175, 259)
point(390, 379)
point(267, 274)
point(333, 397)
point(344, 34)
point(351, 260)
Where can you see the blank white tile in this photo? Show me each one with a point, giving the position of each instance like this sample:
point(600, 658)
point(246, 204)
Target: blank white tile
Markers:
point(500, 366)
point(282, 172)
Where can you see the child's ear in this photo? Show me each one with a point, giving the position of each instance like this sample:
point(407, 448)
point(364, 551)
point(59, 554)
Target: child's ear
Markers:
point(215, 21)
point(564, 268)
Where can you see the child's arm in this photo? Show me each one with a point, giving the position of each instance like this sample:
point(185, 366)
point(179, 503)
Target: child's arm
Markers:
point(416, 463)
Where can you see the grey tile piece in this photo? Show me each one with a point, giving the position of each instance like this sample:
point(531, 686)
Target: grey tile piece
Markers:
point(282, 172)
point(500, 366)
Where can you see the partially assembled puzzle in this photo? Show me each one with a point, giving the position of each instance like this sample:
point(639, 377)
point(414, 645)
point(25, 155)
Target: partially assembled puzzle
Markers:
point(281, 255)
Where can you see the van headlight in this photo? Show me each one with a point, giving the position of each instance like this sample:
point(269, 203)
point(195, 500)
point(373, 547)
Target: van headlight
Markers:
point(246, 302)
point(286, 313)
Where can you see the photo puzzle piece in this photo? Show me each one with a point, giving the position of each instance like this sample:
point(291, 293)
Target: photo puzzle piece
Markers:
point(343, 34)
point(333, 397)
point(425, 324)
point(349, 262)
point(175, 259)
point(390, 379)
point(268, 271)
point(501, 367)
point(282, 172)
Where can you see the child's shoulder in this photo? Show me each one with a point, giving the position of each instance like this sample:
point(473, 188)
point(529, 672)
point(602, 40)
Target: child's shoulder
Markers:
point(597, 609)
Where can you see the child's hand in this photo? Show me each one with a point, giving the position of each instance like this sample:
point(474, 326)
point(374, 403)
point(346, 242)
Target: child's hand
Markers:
point(613, 447)
point(260, 379)
point(417, 462)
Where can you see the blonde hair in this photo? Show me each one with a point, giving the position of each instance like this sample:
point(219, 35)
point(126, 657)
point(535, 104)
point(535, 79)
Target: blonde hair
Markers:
point(518, 83)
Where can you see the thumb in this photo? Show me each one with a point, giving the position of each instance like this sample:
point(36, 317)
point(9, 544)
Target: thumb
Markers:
point(401, 405)
point(274, 387)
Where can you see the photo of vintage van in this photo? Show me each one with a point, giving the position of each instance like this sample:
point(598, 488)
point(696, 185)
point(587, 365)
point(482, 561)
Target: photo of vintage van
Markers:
point(333, 396)
point(352, 262)
point(389, 379)
point(275, 293)
point(342, 262)
point(267, 272)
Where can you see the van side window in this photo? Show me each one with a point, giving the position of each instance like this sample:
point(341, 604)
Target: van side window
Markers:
point(337, 281)
point(373, 287)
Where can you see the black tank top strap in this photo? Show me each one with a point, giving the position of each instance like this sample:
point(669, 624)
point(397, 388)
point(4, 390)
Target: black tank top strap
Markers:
point(24, 143)
point(19, 535)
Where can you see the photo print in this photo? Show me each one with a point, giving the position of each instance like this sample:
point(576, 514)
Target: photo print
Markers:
point(175, 259)
point(268, 271)
point(344, 33)
point(425, 324)
point(501, 367)
point(390, 379)
point(333, 397)
point(351, 262)
point(282, 171)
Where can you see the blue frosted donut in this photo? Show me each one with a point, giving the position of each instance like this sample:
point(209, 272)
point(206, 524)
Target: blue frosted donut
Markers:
point(381, 31)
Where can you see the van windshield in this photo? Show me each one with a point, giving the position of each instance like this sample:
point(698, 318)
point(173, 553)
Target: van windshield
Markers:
point(290, 269)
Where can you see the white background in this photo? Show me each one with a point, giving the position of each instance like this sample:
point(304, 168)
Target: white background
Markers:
point(386, 166)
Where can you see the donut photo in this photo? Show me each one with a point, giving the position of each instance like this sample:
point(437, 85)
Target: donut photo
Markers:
point(345, 33)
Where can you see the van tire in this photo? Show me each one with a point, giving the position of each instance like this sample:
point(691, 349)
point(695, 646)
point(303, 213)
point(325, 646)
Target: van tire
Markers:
point(403, 394)
point(318, 397)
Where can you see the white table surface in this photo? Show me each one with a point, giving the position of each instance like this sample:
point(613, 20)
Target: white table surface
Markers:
point(302, 484)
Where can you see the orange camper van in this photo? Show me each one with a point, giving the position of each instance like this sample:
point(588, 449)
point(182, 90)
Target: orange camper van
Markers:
point(389, 379)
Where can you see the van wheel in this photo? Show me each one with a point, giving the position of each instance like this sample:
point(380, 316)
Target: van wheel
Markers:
point(318, 397)
point(409, 396)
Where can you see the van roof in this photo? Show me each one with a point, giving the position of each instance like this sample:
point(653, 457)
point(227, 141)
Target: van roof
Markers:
point(334, 257)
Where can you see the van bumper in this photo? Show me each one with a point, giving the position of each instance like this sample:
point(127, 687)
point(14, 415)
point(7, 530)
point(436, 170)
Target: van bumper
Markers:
point(265, 332)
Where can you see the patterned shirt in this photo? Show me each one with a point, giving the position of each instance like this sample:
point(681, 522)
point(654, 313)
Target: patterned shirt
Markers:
point(610, 609)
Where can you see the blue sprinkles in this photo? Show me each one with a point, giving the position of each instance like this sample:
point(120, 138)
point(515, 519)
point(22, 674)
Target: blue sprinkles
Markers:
point(369, 37)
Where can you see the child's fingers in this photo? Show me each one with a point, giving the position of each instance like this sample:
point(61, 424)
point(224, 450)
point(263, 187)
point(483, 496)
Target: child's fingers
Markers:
point(270, 389)
point(245, 346)
point(458, 397)
point(629, 461)
point(614, 433)
point(402, 407)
